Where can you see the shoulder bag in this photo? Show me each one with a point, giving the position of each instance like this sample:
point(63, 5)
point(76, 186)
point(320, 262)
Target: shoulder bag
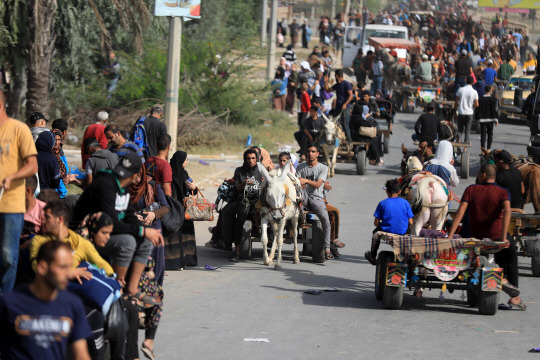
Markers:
point(172, 221)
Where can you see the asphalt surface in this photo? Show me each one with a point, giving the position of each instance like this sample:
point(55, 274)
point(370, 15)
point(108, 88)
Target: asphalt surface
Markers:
point(209, 314)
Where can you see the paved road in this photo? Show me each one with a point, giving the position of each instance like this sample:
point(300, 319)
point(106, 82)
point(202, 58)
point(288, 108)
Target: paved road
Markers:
point(208, 314)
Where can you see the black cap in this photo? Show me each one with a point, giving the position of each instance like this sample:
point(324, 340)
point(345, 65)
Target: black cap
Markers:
point(430, 106)
point(35, 116)
point(129, 164)
point(504, 156)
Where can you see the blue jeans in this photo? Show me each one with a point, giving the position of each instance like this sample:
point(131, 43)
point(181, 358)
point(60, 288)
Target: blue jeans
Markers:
point(459, 83)
point(376, 84)
point(11, 226)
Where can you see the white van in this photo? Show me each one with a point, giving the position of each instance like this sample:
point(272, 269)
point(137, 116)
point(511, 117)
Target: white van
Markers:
point(357, 37)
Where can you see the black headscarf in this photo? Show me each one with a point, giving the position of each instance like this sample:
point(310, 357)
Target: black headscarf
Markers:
point(280, 73)
point(179, 175)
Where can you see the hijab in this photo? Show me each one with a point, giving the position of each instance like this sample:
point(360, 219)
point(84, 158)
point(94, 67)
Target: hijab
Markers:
point(56, 153)
point(143, 188)
point(443, 157)
point(179, 174)
point(92, 223)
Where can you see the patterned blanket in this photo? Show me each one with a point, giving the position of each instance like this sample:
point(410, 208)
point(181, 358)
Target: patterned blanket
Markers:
point(431, 248)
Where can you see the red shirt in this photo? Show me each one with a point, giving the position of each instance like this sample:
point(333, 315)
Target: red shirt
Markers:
point(159, 169)
point(306, 103)
point(485, 209)
point(96, 130)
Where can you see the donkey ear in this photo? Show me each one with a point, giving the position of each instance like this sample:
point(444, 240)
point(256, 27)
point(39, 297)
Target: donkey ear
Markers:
point(325, 118)
point(285, 170)
point(263, 171)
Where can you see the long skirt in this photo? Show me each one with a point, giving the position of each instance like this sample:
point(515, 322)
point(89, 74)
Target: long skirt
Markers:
point(181, 248)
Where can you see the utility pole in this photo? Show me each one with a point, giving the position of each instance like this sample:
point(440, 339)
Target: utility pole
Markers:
point(272, 40)
point(173, 79)
point(333, 13)
point(264, 22)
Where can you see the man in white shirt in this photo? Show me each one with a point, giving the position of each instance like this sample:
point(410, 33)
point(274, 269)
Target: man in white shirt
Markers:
point(466, 101)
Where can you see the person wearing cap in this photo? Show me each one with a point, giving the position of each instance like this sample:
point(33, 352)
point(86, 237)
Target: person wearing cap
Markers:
point(393, 215)
point(16, 165)
point(38, 124)
point(96, 130)
point(154, 128)
point(306, 75)
point(487, 115)
point(490, 75)
point(423, 69)
point(131, 243)
point(489, 213)
point(428, 124)
point(463, 69)
point(466, 102)
point(510, 177)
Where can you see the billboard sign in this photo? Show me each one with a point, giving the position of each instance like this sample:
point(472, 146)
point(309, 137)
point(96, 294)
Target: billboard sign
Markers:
point(510, 4)
point(184, 8)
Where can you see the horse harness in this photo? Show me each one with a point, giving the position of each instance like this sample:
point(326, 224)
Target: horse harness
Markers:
point(288, 200)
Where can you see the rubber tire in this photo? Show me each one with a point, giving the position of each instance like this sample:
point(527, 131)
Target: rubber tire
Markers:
point(392, 295)
point(361, 161)
point(245, 241)
point(386, 144)
point(465, 157)
point(317, 242)
point(488, 302)
point(535, 266)
point(380, 272)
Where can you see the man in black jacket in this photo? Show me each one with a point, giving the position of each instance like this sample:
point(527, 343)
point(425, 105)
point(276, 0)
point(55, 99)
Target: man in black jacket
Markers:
point(487, 116)
point(428, 124)
point(154, 129)
point(130, 243)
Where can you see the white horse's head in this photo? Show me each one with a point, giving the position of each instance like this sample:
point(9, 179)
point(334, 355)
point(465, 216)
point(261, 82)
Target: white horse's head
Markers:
point(276, 195)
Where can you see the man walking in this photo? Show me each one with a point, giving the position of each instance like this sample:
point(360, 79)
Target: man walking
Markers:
point(154, 129)
point(466, 102)
point(17, 162)
point(96, 130)
point(463, 70)
point(487, 116)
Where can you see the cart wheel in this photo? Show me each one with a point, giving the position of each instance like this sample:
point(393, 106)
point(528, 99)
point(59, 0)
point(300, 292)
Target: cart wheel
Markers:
point(392, 295)
point(535, 266)
point(245, 241)
point(488, 302)
point(465, 156)
point(317, 242)
point(386, 144)
point(380, 272)
point(361, 161)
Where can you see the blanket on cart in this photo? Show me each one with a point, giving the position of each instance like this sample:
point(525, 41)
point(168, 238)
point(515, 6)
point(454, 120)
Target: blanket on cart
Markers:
point(431, 248)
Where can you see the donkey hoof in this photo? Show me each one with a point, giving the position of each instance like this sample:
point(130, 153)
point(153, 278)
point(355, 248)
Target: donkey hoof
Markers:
point(296, 261)
point(277, 267)
point(267, 262)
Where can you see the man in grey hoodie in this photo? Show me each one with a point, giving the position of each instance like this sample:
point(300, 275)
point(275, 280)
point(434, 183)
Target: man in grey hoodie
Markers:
point(100, 159)
point(38, 124)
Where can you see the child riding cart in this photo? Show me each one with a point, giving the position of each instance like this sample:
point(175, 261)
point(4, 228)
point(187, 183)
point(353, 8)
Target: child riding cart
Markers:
point(439, 263)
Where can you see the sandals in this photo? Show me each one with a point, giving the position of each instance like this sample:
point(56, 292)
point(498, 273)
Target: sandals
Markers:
point(520, 306)
point(149, 354)
point(339, 244)
point(146, 299)
point(335, 252)
point(329, 256)
point(510, 289)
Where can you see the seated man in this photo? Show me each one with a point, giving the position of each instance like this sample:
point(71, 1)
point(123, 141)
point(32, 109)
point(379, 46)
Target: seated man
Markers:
point(311, 130)
point(393, 215)
point(427, 125)
point(488, 206)
point(426, 149)
point(510, 178)
point(42, 319)
point(312, 175)
point(247, 183)
point(131, 243)
point(100, 159)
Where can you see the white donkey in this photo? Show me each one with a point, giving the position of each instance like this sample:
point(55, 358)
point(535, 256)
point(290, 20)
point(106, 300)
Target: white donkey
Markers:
point(428, 198)
point(329, 145)
point(279, 203)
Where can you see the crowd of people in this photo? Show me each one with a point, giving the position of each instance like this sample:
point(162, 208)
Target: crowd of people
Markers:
point(108, 244)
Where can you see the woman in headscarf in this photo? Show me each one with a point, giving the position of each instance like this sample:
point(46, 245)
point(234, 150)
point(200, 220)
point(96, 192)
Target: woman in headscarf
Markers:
point(48, 170)
point(442, 164)
point(292, 84)
point(181, 248)
point(279, 89)
point(360, 117)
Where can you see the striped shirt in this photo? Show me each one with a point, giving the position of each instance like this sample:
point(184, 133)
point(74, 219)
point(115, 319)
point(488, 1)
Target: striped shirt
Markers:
point(128, 147)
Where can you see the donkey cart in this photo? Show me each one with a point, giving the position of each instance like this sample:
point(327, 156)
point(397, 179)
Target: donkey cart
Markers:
point(462, 150)
point(525, 229)
point(447, 264)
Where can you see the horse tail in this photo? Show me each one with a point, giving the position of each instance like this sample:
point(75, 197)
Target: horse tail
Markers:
point(534, 187)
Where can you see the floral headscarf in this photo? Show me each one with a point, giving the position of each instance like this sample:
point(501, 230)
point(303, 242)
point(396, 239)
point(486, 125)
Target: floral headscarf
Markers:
point(92, 223)
point(56, 153)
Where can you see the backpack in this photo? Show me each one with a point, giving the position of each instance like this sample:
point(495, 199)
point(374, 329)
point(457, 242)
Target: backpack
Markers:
point(138, 136)
point(226, 193)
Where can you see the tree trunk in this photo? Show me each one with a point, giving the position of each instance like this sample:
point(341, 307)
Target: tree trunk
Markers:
point(40, 51)
point(346, 10)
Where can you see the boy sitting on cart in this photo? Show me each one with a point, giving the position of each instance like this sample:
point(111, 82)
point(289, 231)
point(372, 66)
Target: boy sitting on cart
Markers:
point(393, 215)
